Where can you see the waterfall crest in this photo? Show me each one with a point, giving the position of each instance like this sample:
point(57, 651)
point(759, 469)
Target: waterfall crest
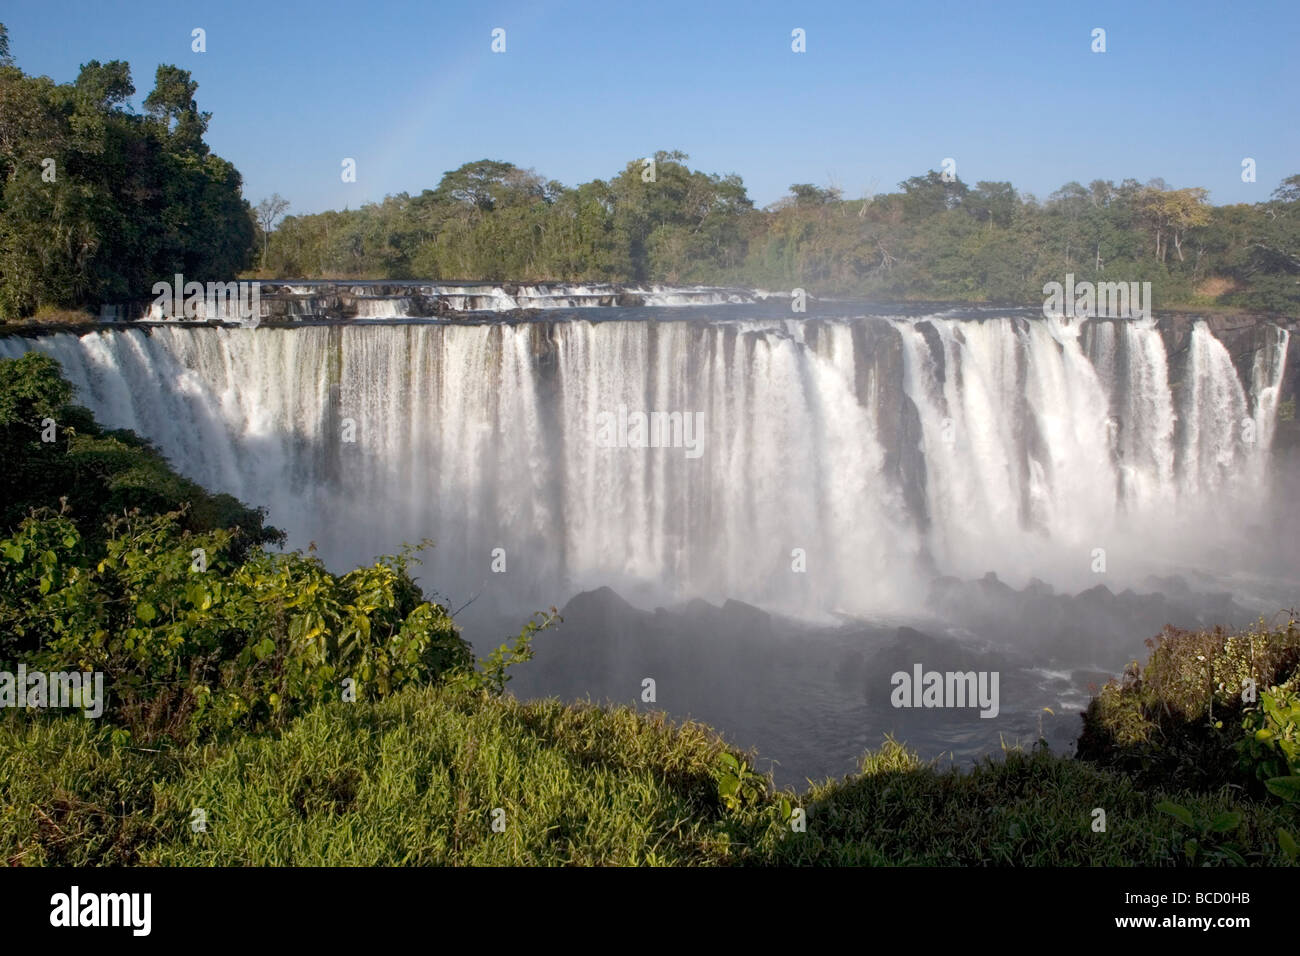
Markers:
point(876, 452)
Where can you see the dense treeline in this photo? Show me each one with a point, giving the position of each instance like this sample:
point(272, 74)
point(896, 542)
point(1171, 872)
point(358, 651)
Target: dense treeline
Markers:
point(492, 220)
point(933, 238)
point(97, 202)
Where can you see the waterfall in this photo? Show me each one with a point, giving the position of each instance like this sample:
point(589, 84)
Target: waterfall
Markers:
point(842, 462)
point(383, 307)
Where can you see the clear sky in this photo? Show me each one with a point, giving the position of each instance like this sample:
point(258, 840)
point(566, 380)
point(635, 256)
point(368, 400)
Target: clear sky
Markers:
point(1010, 90)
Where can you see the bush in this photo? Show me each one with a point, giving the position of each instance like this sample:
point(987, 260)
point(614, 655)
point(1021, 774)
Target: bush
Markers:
point(93, 474)
point(1177, 720)
point(194, 641)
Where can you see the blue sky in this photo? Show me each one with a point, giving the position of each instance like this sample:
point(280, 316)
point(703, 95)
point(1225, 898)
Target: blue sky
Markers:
point(1010, 90)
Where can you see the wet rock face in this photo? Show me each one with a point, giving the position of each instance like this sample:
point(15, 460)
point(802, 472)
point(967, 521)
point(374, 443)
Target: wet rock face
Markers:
point(878, 353)
point(1244, 336)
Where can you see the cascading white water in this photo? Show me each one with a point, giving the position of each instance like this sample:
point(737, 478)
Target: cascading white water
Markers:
point(1034, 450)
point(386, 307)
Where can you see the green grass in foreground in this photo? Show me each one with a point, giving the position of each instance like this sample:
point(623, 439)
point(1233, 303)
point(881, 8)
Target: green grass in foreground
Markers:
point(414, 779)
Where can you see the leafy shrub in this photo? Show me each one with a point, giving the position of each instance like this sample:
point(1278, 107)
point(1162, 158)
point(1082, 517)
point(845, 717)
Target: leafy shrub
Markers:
point(1205, 846)
point(738, 784)
point(193, 641)
point(489, 674)
point(1271, 745)
point(93, 474)
point(1175, 720)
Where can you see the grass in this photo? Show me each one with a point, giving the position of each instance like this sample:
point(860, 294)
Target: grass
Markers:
point(411, 780)
point(1177, 720)
point(52, 316)
point(1024, 809)
point(414, 780)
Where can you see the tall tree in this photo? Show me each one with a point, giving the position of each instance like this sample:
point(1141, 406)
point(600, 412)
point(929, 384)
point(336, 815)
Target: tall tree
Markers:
point(268, 211)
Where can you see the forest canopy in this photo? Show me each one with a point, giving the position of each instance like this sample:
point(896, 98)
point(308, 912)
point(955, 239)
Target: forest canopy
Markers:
point(932, 239)
point(98, 202)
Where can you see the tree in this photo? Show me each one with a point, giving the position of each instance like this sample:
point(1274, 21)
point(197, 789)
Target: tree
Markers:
point(5, 58)
point(992, 203)
point(1288, 191)
point(1170, 213)
point(172, 102)
point(105, 86)
point(268, 211)
point(806, 194)
point(1187, 209)
point(130, 198)
point(930, 194)
point(488, 183)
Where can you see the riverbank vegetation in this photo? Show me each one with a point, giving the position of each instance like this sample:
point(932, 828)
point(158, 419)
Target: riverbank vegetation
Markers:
point(934, 238)
point(99, 202)
point(262, 710)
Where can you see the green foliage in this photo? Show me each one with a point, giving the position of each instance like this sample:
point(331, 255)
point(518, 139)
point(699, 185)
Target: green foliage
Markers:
point(739, 785)
point(189, 651)
point(1270, 747)
point(91, 474)
point(1287, 844)
point(166, 589)
point(134, 199)
point(413, 778)
point(1177, 719)
point(489, 674)
point(1205, 847)
point(409, 780)
point(490, 220)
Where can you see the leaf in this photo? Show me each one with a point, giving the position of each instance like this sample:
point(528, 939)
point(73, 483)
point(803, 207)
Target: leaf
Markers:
point(1228, 820)
point(145, 612)
point(1232, 852)
point(1180, 813)
point(1288, 788)
point(1287, 842)
point(730, 762)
